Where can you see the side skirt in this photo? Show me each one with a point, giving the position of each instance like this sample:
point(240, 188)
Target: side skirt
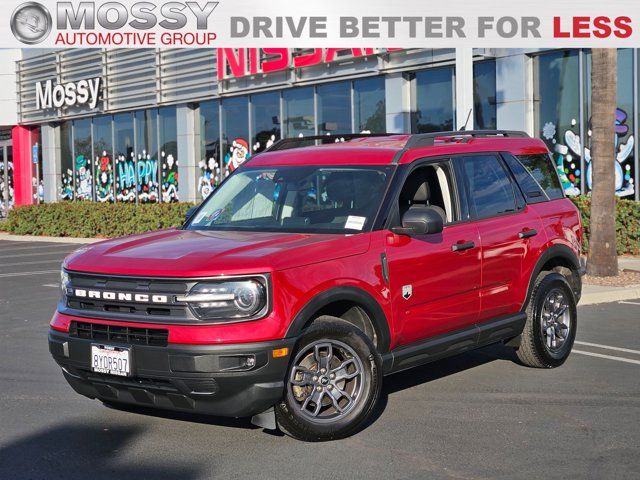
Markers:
point(453, 343)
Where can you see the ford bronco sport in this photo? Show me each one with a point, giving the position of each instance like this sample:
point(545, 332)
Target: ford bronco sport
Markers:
point(313, 271)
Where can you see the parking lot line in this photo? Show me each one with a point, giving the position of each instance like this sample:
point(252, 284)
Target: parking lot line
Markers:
point(629, 303)
point(29, 263)
point(42, 254)
point(23, 274)
point(38, 247)
point(608, 347)
point(608, 357)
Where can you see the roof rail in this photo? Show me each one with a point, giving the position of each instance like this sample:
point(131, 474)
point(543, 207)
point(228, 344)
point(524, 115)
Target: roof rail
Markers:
point(297, 142)
point(415, 140)
point(428, 139)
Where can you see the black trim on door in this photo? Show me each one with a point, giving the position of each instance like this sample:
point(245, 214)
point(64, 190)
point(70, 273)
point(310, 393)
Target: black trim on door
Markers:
point(453, 343)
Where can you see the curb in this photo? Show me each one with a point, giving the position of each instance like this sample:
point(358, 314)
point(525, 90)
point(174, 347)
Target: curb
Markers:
point(30, 238)
point(607, 296)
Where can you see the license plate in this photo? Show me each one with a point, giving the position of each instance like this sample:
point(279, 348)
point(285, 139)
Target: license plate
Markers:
point(111, 360)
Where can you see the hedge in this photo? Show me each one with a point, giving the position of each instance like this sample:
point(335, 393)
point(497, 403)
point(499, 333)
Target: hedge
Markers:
point(104, 220)
point(627, 224)
point(90, 219)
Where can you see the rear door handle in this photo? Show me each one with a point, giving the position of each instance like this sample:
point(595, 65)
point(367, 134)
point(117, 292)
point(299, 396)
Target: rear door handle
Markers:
point(527, 233)
point(459, 247)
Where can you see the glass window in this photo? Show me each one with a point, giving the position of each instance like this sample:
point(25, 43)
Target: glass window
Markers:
point(334, 108)
point(299, 116)
point(265, 120)
point(624, 163)
point(125, 158)
point(147, 155)
point(235, 132)
point(300, 199)
point(484, 95)
point(369, 105)
point(210, 168)
point(557, 113)
point(490, 190)
point(434, 102)
point(541, 169)
point(82, 163)
point(67, 191)
point(168, 135)
point(103, 154)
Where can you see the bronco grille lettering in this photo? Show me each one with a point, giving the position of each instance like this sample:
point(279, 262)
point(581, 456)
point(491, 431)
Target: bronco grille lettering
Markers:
point(120, 296)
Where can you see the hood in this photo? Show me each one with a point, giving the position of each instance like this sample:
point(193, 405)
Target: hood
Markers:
point(192, 253)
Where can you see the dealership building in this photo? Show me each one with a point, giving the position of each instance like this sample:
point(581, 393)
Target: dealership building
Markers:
point(147, 125)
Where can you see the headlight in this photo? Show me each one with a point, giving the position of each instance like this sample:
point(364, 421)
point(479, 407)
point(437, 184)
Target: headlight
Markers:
point(64, 281)
point(240, 299)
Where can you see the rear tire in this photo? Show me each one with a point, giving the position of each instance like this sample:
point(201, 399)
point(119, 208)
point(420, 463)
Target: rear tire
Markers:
point(333, 383)
point(550, 329)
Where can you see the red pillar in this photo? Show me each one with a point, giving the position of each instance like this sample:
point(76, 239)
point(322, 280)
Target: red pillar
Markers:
point(23, 167)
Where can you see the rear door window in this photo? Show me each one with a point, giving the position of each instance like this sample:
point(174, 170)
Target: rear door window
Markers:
point(490, 189)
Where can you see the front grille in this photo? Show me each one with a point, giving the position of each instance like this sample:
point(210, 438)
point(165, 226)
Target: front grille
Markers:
point(138, 336)
point(117, 308)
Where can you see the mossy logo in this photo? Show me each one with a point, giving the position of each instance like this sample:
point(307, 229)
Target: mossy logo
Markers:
point(31, 23)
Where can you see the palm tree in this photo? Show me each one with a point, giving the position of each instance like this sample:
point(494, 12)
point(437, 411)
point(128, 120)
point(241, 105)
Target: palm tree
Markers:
point(603, 260)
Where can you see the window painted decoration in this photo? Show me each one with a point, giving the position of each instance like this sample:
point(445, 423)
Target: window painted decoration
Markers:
point(84, 179)
point(237, 155)
point(125, 178)
point(210, 176)
point(147, 171)
point(104, 178)
point(569, 167)
point(169, 178)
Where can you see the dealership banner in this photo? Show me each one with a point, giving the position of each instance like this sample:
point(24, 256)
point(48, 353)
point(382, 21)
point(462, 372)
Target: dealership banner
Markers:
point(322, 23)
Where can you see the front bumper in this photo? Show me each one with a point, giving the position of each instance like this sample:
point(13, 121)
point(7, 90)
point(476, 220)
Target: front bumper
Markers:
point(179, 377)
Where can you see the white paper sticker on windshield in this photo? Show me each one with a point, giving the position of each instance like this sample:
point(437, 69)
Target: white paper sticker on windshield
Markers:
point(355, 223)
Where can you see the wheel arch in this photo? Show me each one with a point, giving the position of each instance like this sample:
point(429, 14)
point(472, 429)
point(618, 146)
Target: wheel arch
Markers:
point(352, 304)
point(561, 259)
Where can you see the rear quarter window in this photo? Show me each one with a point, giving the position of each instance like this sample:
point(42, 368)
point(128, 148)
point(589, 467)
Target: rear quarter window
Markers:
point(543, 172)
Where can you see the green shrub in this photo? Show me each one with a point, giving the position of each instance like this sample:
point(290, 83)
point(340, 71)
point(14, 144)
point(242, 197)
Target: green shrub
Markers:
point(89, 219)
point(627, 224)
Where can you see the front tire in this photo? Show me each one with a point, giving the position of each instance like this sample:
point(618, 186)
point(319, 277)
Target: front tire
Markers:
point(333, 383)
point(550, 329)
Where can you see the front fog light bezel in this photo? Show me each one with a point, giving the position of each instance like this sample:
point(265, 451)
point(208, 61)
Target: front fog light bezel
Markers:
point(207, 295)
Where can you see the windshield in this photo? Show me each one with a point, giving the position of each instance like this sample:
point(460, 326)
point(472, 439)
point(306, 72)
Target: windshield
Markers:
point(295, 199)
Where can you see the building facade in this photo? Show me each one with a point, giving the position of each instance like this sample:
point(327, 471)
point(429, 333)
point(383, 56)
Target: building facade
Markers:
point(169, 125)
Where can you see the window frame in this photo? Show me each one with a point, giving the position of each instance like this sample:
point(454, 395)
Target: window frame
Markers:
point(390, 211)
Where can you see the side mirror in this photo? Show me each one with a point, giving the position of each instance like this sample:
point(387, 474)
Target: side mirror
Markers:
point(190, 213)
point(420, 221)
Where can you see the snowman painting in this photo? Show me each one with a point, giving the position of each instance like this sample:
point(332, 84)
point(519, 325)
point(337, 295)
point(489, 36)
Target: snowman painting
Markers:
point(623, 182)
point(209, 177)
point(569, 166)
point(237, 155)
point(83, 178)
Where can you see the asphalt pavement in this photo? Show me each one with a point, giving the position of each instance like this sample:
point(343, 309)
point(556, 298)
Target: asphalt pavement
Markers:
point(479, 415)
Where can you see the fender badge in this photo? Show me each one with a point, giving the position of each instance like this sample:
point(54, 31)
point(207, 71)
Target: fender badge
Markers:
point(407, 291)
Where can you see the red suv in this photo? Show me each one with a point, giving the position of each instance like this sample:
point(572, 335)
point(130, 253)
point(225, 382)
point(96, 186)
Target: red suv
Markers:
point(313, 271)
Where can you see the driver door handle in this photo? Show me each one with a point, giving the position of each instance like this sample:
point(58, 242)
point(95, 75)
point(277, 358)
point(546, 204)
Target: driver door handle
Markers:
point(527, 233)
point(461, 246)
